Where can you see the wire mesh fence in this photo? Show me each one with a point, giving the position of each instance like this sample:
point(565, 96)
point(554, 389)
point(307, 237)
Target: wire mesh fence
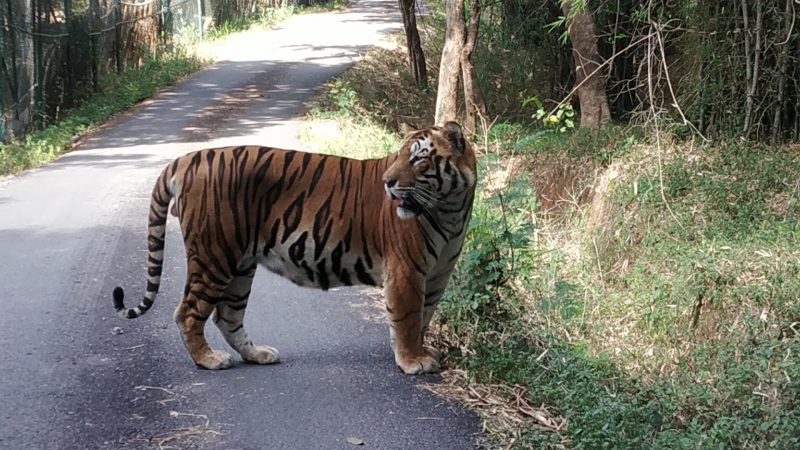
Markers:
point(56, 53)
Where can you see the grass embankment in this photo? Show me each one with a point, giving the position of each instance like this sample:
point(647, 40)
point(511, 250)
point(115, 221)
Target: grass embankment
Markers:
point(613, 293)
point(122, 91)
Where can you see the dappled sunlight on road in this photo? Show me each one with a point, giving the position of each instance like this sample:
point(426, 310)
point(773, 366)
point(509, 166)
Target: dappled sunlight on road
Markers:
point(260, 85)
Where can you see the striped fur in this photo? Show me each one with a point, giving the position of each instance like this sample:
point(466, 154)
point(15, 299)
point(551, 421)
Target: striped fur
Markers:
point(320, 221)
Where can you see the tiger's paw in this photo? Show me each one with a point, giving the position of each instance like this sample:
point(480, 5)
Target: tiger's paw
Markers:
point(418, 364)
point(263, 354)
point(215, 360)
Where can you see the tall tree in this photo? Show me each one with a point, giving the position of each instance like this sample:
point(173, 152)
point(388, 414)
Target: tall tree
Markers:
point(459, 47)
point(472, 95)
point(591, 87)
point(450, 64)
point(26, 78)
point(416, 57)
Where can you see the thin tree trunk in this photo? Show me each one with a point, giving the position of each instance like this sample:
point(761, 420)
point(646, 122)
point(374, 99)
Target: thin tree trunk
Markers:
point(748, 68)
point(13, 84)
point(416, 57)
point(68, 68)
point(27, 77)
point(796, 89)
point(757, 51)
point(783, 62)
point(447, 95)
point(595, 112)
point(472, 94)
point(753, 72)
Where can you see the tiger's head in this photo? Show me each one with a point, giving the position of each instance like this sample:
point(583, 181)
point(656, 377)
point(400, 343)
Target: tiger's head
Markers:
point(434, 170)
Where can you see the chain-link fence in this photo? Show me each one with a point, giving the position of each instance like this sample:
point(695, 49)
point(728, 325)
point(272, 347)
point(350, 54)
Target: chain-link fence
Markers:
point(55, 53)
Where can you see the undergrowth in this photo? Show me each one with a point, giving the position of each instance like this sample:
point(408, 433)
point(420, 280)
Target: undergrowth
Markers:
point(646, 295)
point(338, 117)
point(262, 16)
point(655, 325)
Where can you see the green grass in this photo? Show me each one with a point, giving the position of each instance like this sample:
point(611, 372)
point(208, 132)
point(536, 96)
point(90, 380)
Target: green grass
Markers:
point(332, 5)
point(342, 118)
point(339, 140)
point(693, 342)
point(267, 17)
point(120, 92)
point(259, 20)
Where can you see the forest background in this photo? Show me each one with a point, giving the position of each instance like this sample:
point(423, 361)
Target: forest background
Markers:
point(632, 270)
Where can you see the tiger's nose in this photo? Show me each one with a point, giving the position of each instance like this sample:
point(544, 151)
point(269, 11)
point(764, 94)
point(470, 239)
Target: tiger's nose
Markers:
point(390, 183)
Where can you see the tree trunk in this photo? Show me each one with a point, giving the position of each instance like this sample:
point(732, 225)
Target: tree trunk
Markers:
point(472, 93)
point(416, 57)
point(752, 74)
point(26, 79)
point(783, 62)
point(591, 87)
point(449, 66)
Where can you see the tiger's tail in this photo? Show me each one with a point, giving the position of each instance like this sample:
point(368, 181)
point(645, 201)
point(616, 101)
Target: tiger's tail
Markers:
point(159, 204)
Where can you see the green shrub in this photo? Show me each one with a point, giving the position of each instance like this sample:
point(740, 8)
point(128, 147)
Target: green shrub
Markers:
point(694, 345)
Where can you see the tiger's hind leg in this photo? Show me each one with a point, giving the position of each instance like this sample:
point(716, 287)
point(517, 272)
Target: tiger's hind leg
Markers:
point(229, 318)
point(199, 301)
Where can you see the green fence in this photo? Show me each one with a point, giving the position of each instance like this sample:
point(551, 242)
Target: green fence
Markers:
point(56, 53)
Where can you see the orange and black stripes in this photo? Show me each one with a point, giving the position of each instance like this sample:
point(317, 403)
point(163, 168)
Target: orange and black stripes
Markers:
point(320, 221)
point(256, 203)
point(157, 221)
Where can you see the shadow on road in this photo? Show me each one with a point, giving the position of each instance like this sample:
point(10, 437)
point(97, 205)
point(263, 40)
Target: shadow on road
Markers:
point(101, 389)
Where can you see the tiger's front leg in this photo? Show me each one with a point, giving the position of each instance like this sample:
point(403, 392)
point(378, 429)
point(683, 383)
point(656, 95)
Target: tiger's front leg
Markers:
point(404, 303)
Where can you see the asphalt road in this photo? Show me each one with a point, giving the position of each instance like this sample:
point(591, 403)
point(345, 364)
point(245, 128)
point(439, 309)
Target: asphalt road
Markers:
point(71, 231)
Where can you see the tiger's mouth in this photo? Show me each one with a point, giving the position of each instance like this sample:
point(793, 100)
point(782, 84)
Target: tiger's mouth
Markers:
point(406, 204)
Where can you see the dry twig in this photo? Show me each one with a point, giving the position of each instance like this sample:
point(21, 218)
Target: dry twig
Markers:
point(505, 409)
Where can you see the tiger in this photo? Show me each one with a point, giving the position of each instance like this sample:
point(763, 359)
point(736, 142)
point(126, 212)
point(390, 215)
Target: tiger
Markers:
point(320, 221)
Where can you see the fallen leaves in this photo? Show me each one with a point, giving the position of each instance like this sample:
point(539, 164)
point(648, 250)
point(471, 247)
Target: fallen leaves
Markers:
point(505, 409)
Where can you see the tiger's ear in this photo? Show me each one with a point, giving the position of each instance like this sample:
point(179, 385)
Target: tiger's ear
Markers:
point(406, 129)
point(454, 134)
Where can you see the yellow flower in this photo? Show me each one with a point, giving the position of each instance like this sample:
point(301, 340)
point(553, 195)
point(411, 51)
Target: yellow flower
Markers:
point(552, 120)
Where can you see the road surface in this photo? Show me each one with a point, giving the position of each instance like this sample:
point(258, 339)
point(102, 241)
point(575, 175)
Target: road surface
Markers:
point(71, 231)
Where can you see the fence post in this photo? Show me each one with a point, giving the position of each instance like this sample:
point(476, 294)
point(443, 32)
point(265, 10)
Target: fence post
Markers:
point(93, 7)
point(2, 94)
point(200, 19)
point(166, 23)
point(162, 21)
point(68, 54)
point(117, 35)
point(26, 80)
point(38, 58)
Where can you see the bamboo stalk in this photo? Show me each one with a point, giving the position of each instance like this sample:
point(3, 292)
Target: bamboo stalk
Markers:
point(782, 67)
point(756, 62)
